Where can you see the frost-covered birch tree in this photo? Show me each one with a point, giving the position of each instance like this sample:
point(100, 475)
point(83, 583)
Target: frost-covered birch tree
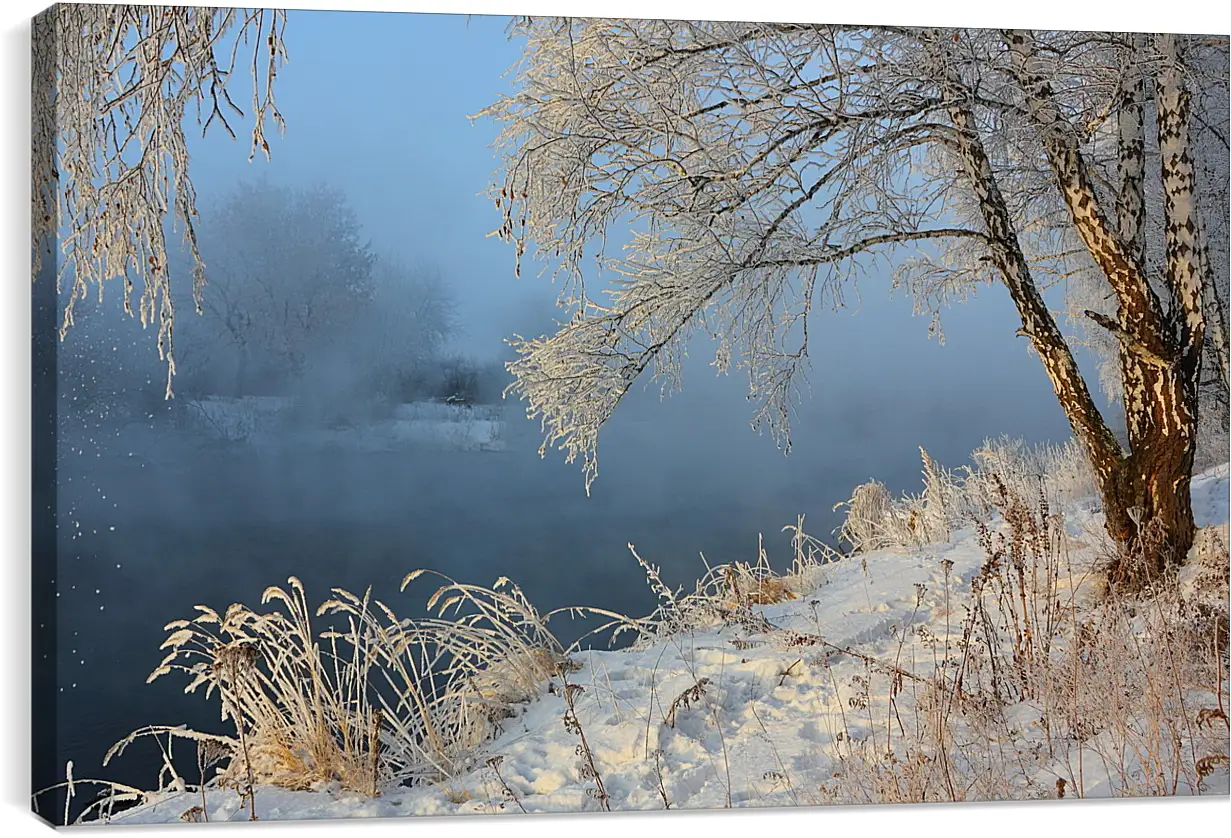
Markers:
point(113, 87)
point(763, 167)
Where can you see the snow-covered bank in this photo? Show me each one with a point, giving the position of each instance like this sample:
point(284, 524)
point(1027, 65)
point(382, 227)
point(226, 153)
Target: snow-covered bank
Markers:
point(783, 702)
point(270, 421)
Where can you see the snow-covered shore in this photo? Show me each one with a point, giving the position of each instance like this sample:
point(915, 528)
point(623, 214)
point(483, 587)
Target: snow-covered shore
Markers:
point(741, 714)
point(264, 421)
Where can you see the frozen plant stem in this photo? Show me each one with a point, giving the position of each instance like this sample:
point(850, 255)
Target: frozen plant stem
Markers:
point(573, 725)
point(494, 765)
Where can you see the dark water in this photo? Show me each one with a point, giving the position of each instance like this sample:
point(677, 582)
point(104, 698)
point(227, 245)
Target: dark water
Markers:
point(225, 529)
point(152, 523)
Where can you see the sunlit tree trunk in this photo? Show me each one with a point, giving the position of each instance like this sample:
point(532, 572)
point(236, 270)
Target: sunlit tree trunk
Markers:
point(1146, 489)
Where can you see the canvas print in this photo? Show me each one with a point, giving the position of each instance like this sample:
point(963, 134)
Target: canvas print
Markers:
point(444, 414)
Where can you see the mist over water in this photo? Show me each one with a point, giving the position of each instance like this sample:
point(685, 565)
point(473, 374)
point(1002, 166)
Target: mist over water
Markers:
point(155, 518)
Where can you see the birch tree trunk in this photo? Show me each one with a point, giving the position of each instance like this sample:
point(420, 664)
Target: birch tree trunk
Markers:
point(1145, 490)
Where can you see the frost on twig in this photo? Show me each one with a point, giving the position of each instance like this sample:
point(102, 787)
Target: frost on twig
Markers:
point(112, 88)
point(757, 170)
point(758, 166)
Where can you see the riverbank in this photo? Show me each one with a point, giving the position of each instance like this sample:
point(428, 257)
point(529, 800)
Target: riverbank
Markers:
point(902, 674)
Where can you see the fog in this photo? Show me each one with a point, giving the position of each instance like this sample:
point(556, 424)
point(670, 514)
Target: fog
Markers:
point(157, 513)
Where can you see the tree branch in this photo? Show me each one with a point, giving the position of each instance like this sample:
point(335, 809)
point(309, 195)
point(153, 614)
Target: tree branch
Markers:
point(1130, 343)
point(838, 254)
point(1141, 309)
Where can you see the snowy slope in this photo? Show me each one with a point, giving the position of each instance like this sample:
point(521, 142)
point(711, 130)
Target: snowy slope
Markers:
point(777, 700)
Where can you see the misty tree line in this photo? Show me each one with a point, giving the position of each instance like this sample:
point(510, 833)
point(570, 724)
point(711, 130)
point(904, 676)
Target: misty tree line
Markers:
point(296, 299)
point(296, 303)
point(765, 170)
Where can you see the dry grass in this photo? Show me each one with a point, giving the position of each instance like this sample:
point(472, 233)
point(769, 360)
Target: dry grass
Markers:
point(1042, 685)
point(875, 520)
point(370, 700)
point(1049, 687)
point(726, 593)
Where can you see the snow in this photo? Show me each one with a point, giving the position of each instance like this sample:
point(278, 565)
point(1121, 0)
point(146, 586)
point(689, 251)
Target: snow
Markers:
point(270, 422)
point(772, 708)
point(1210, 492)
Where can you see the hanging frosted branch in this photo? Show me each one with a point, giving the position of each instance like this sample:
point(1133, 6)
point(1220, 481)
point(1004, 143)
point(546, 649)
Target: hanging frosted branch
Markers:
point(760, 168)
point(763, 169)
point(113, 87)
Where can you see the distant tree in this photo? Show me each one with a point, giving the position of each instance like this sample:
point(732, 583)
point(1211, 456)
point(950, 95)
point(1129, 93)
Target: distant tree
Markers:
point(112, 88)
point(288, 274)
point(414, 310)
point(412, 313)
point(763, 166)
